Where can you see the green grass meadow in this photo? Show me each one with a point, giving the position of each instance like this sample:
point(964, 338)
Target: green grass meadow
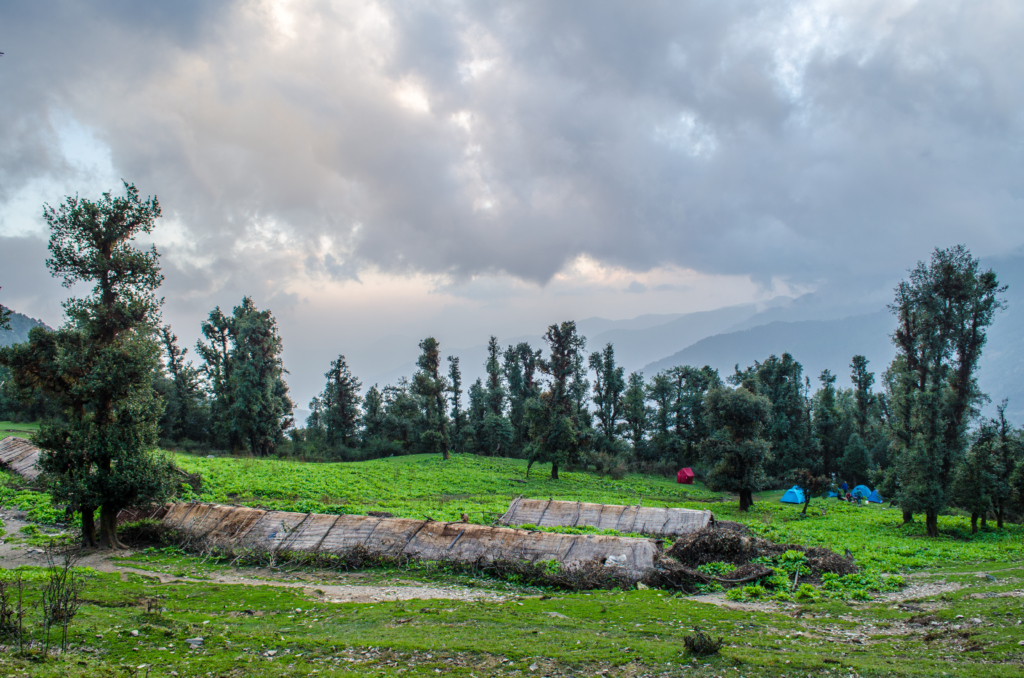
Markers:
point(960, 615)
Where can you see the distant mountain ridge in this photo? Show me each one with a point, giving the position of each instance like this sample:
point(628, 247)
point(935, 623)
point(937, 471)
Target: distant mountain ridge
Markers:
point(20, 326)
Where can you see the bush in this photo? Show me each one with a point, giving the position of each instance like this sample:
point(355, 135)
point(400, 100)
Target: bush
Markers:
point(701, 644)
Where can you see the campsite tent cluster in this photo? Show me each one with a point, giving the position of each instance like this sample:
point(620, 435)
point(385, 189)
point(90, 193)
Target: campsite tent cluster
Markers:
point(795, 495)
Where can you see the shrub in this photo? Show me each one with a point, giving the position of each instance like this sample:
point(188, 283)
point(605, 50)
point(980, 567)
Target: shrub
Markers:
point(701, 644)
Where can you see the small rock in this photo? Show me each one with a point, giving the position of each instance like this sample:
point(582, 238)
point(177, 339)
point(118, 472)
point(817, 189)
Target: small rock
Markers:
point(198, 640)
point(976, 620)
point(959, 616)
point(557, 614)
point(534, 667)
point(270, 653)
point(135, 634)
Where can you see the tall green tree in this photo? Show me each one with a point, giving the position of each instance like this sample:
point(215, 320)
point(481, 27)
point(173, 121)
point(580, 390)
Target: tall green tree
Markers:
point(827, 425)
point(557, 432)
point(974, 481)
point(521, 367)
point(251, 408)
point(636, 414)
point(495, 433)
point(1006, 451)
point(459, 419)
point(430, 385)
point(662, 392)
point(862, 380)
point(101, 364)
point(736, 451)
point(609, 383)
point(943, 312)
point(780, 379)
point(373, 416)
point(341, 400)
point(690, 386)
point(186, 414)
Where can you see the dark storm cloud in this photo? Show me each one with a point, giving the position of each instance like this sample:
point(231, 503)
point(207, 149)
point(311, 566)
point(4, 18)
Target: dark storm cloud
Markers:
point(819, 142)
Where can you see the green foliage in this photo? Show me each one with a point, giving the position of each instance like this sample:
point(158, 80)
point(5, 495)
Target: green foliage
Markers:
point(735, 452)
point(242, 363)
point(559, 428)
point(99, 368)
point(942, 312)
point(788, 431)
point(430, 385)
point(609, 383)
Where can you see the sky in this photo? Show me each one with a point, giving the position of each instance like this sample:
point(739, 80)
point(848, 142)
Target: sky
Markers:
point(376, 172)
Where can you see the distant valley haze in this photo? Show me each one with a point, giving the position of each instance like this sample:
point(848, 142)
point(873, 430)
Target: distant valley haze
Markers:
point(696, 183)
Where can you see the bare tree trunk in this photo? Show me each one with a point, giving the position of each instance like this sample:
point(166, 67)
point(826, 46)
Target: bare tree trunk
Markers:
point(932, 524)
point(746, 500)
point(108, 529)
point(908, 517)
point(554, 471)
point(974, 523)
point(999, 518)
point(88, 527)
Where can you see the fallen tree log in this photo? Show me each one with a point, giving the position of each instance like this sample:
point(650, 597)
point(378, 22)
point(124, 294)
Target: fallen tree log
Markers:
point(20, 456)
point(652, 520)
point(239, 528)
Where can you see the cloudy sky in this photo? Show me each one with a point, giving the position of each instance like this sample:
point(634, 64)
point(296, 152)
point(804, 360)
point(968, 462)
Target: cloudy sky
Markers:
point(376, 171)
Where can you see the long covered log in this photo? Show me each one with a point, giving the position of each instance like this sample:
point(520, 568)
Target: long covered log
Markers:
point(660, 522)
point(237, 527)
point(20, 456)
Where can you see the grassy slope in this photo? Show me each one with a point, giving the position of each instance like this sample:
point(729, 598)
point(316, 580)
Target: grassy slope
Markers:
point(10, 428)
point(625, 633)
point(419, 485)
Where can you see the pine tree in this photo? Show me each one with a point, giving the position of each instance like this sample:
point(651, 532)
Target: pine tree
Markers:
point(495, 432)
point(609, 383)
point(974, 479)
point(458, 416)
point(186, 416)
point(341, 402)
point(558, 433)
point(1007, 453)
point(520, 368)
point(855, 463)
point(662, 392)
point(942, 312)
point(690, 385)
point(780, 379)
point(736, 451)
point(636, 414)
point(827, 425)
point(431, 387)
point(100, 366)
point(862, 383)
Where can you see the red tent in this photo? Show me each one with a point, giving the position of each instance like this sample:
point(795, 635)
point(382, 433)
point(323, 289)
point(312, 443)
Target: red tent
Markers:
point(685, 476)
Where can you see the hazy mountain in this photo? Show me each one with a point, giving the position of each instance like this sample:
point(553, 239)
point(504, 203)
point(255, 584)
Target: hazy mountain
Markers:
point(634, 348)
point(20, 326)
point(817, 344)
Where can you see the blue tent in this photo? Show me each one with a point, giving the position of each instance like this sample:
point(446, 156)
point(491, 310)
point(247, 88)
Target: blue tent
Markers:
point(794, 495)
point(861, 491)
point(831, 495)
point(874, 497)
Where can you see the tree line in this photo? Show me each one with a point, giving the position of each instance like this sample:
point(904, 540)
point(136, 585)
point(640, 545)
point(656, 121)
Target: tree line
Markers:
point(113, 382)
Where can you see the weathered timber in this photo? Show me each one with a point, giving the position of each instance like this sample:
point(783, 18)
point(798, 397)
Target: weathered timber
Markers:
point(20, 456)
point(660, 522)
point(239, 527)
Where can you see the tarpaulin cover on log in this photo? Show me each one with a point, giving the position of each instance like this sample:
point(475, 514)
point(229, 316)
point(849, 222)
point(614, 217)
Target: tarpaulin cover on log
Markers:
point(662, 522)
point(238, 527)
point(20, 455)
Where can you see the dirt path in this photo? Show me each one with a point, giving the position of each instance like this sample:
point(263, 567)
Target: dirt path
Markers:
point(325, 588)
